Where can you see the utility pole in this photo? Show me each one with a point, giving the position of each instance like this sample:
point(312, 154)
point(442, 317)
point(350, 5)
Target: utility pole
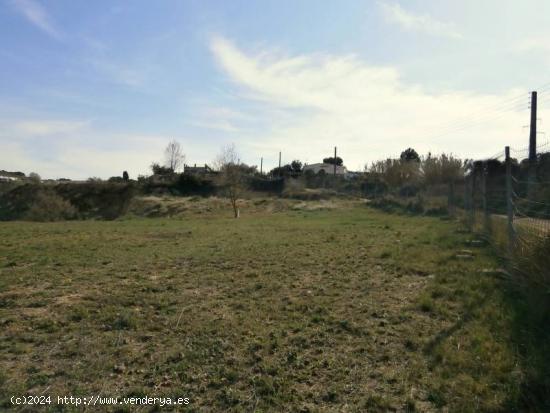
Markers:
point(532, 146)
point(279, 159)
point(261, 165)
point(335, 161)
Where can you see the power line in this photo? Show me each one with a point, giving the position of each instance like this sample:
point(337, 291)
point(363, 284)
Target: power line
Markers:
point(488, 113)
point(469, 125)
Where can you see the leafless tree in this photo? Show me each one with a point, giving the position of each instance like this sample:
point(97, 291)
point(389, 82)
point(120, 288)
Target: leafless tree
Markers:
point(231, 174)
point(174, 156)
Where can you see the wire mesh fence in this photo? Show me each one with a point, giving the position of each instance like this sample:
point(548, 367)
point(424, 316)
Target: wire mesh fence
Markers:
point(507, 202)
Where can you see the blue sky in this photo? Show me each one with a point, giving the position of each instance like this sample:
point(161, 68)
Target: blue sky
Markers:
point(95, 88)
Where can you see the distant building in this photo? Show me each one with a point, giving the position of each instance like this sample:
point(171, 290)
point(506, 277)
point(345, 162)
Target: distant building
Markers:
point(354, 174)
point(328, 168)
point(197, 170)
point(6, 176)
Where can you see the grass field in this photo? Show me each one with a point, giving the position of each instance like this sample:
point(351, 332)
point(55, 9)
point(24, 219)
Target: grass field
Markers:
point(348, 309)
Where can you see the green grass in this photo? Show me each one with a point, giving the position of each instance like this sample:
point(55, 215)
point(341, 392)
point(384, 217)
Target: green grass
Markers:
point(348, 309)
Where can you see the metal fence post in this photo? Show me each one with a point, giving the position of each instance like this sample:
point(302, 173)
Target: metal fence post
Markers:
point(467, 201)
point(484, 197)
point(472, 217)
point(509, 203)
point(451, 199)
point(466, 198)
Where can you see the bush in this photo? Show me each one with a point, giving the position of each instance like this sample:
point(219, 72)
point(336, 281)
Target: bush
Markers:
point(373, 187)
point(193, 185)
point(265, 184)
point(396, 172)
point(441, 169)
point(106, 200)
point(408, 190)
point(48, 206)
point(418, 205)
point(161, 170)
point(39, 202)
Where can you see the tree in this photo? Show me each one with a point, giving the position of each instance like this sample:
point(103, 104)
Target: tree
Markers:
point(231, 174)
point(284, 170)
point(296, 166)
point(410, 154)
point(34, 177)
point(174, 156)
point(125, 176)
point(331, 160)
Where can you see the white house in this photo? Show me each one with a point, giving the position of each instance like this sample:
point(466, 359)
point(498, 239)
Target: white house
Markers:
point(327, 167)
point(4, 178)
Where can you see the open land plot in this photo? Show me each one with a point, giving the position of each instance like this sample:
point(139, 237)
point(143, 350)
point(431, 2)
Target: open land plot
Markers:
point(347, 309)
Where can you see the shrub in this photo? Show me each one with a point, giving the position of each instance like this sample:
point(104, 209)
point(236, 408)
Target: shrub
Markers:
point(161, 170)
point(193, 185)
point(408, 190)
point(441, 169)
point(373, 186)
point(35, 178)
point(266, 184)
point(49, 206)
point(106, 200)
point(396, 172)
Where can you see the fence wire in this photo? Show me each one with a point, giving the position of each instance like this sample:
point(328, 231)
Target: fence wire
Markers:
point(509, 205)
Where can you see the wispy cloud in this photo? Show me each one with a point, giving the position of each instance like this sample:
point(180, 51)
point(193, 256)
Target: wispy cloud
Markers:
point(48, 127)
point(119, 73)
point(540, 43)
point(219, 118)
point(368, 111)
point(38, 16)
point(422, 23)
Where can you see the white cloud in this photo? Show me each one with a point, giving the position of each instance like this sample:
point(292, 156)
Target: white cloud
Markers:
point(76, 149)
point(47, 127)
point(218, 118)
point(540, 43)
point(76, 160)
point(394, 13)
point(38, 16)
point(367, 111)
